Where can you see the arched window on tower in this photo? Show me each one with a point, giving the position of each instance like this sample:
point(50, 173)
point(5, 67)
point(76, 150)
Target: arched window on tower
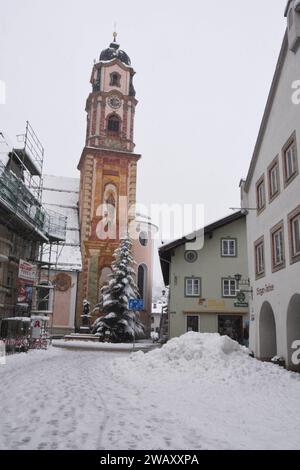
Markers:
point(115, 79)
point(142, 282)
point(114, 124)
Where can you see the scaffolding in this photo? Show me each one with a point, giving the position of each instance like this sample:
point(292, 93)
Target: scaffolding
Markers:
point(21, 185)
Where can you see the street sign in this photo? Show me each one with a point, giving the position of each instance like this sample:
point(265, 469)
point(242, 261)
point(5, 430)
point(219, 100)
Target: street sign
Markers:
point(136, 304)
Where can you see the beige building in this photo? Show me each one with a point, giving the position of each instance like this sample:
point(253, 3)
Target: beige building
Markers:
point(204, 283)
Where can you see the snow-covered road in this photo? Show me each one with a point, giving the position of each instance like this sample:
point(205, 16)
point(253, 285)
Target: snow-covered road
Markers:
point(180, 397)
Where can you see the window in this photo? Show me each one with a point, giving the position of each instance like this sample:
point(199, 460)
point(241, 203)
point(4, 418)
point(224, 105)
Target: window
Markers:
point(44, 296)
point(192, 287)
point(274, 180)
point(143, 238)
point(113, 124)
point(232, 326)
point(228, 247)
point(115, 79)
point(290, 160)
point(192, 323)
point(277, 243)
point(259, 258)
point(190, 256)
point(261, 194)
point(9, 280)
point(294, 235)
point(229, 288)
point(142, 282)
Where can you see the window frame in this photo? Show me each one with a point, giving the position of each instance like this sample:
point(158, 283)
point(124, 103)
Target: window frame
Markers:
point(274, 165)
point(229, 239)
point(295, 214)
point(116, 118)
point(118, 81)
point(260, 243)
point(230, 295)
point(192, 315)
point(292, 141)
point(278, 228)
point(192, 278)
point(261, 183)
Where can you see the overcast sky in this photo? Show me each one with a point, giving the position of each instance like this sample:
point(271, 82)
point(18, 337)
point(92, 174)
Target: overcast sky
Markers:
point(203, 72)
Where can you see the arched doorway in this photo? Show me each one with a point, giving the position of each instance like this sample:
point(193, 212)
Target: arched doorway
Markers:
point(267, 333)
point(293, 332)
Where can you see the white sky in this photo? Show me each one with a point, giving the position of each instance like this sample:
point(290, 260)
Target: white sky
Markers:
point(204, 69)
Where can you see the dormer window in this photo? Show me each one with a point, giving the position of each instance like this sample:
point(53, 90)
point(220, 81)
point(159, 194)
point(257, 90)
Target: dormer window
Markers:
point(115, 79)
point(113, 124)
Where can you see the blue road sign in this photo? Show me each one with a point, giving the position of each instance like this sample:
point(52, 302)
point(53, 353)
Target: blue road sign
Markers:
point(136, 304)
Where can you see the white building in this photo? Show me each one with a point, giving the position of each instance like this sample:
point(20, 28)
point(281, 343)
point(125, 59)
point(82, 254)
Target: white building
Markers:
point(60, 194)
point(271, 195)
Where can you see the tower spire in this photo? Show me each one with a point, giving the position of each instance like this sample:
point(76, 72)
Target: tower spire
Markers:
point(115, 34)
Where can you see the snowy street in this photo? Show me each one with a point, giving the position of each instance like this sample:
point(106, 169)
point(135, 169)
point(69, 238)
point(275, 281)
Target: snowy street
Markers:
point(197, 392)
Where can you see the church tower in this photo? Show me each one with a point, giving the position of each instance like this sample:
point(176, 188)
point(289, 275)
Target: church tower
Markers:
point(108, 168)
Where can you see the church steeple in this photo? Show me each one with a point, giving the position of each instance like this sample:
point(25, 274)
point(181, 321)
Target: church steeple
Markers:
point(108, 168)
point(111, 104)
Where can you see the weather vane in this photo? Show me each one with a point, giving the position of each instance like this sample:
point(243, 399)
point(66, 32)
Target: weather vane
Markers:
point(115, 34)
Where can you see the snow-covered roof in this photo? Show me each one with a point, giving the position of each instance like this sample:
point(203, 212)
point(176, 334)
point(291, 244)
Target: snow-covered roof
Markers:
point(61, 194)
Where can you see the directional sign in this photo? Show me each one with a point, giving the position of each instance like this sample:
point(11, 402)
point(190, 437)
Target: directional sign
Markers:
point(136, 304)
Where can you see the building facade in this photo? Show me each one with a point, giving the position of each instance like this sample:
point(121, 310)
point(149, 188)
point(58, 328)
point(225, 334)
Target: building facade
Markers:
point(108, 173)
point(60, 194)
point(271, 200)
point(204, 283)
point(25, 226)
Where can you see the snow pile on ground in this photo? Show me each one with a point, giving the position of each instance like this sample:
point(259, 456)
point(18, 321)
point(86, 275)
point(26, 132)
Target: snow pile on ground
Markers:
point(190, 352)
point(199, 391)
point(193, 347)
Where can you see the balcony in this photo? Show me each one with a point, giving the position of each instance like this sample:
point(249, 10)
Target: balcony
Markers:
point(21, 212)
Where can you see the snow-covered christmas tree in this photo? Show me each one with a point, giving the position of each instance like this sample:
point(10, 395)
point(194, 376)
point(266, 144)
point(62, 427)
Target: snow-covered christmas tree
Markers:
point(118, 323)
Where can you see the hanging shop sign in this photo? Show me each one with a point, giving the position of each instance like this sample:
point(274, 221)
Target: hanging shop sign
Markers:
point(241, 301)
point(27, 271)
point(24, 292)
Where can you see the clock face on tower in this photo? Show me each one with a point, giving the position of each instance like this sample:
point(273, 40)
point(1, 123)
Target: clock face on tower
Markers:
point(114, 102)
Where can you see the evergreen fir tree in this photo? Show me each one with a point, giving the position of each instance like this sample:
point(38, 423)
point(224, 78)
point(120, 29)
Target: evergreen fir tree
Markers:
point(118, 324)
